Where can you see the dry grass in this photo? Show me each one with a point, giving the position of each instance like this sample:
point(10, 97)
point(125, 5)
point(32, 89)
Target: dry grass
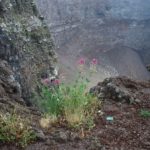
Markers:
point(47, 121)
point(15, 130)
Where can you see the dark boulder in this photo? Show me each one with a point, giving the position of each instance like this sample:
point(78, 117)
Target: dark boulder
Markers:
point(25, 43)
point(122, 89)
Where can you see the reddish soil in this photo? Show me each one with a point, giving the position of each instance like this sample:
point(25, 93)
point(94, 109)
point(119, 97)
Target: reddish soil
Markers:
point(128, 130)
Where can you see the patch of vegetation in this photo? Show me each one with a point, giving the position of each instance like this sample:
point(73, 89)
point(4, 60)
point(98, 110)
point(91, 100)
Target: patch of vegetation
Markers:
point(15, 130)
point(71, 103)
point(145, 113)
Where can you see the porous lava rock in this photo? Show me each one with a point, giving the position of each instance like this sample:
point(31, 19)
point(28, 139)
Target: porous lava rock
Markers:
point(122, 89)
point(25, 43)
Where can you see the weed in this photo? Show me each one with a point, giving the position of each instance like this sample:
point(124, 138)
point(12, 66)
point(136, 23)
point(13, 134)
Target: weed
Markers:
point(69, 101)
point(51, 100)
point(48, 120)
point(15, 130)
point(145, 113)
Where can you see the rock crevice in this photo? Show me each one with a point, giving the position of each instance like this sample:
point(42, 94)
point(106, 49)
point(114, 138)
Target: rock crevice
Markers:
point(25, 43)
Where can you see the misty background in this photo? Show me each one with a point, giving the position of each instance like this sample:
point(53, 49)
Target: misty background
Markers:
point(116, 32)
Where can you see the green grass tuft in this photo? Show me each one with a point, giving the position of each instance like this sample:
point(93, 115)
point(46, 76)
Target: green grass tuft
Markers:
point(145, 113)
point(15, 130)
point(70, 102)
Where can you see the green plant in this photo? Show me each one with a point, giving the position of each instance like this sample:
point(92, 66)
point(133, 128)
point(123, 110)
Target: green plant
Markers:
point(70, 102)
point(15, 130)
point(145, 113)
point(78, 104)
point(51, 100)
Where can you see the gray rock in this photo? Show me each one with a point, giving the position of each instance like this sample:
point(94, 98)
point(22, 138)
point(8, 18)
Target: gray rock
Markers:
point(64, 136)
point(61, 137)
point(50, 142)
point(121, 89)
point(74, 136)
point(19, 44)
point(137, 100)
point(40, 135)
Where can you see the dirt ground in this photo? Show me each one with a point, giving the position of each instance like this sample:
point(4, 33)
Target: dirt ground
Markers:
point(127, 130)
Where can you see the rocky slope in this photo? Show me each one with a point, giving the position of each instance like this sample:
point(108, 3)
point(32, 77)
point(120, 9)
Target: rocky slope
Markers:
point(26, 54)
point(122, 99)
point(10, 95)
point(25, 43)
point(122, 89)
point(101, 28)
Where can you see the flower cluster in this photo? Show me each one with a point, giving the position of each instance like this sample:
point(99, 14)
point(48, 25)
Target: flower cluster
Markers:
point(56, 81)
point(81, 64)
point(50, 82)
point(93, 64)
point(94, 61)
point(81, 61)
point(46, 81)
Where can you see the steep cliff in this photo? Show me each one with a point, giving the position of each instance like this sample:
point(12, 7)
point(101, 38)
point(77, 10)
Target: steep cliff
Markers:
point(107, 22)
point(25, 43)
point(101, 28)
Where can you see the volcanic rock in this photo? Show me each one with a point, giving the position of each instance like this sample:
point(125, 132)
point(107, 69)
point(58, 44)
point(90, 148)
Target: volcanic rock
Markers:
point(122, 89)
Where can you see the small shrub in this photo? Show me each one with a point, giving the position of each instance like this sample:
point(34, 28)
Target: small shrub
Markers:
point(78, 105)
point(48, 120)
point(51, 100)
point(145, 113)
point(70, 102)
point(15, 130)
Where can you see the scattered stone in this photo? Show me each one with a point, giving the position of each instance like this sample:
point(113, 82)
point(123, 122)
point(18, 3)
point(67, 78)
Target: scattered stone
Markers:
point(74, 136)
point(94, 144)
point(50, 142)
point(40, 135)
point(137, 100)
point(61, 137)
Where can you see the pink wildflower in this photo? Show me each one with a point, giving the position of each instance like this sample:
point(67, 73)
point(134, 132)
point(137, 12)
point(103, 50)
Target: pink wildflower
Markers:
point(94, 61)
point(56, 81)
point(46, 81)
point(81, 61)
